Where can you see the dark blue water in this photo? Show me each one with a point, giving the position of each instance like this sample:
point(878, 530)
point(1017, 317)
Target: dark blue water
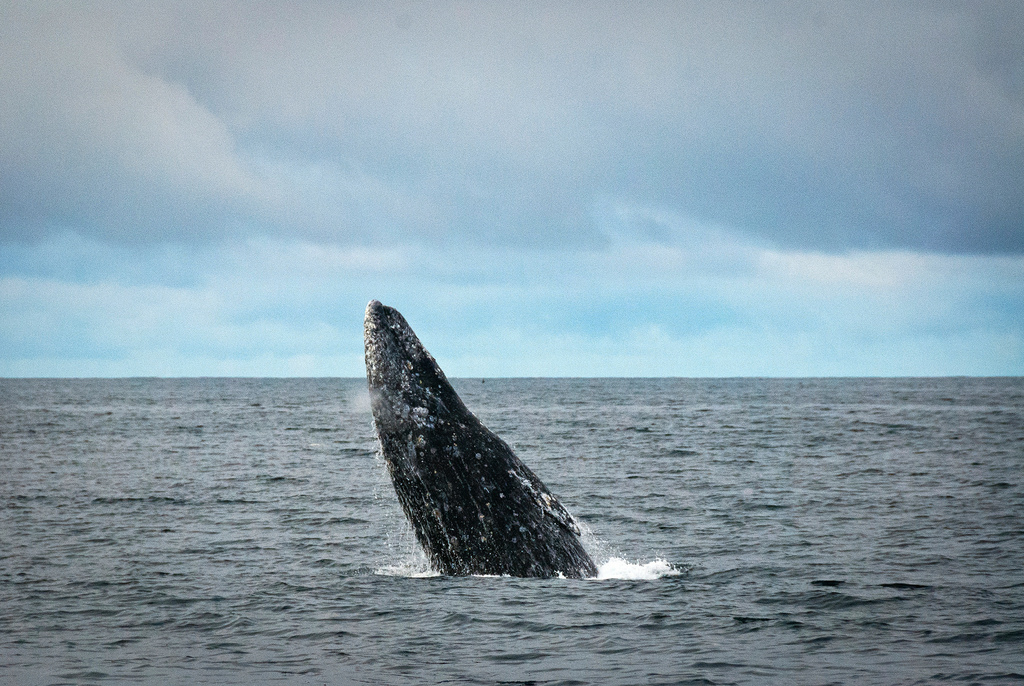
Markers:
point(242, 531)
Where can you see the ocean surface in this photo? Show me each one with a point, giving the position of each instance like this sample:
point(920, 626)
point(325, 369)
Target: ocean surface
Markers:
point(748, 531)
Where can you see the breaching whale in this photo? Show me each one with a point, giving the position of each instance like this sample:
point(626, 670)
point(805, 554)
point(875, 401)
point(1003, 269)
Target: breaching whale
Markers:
point(474, 506)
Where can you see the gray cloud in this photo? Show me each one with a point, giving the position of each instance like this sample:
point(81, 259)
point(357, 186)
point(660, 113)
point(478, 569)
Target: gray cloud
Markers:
point(830, 127)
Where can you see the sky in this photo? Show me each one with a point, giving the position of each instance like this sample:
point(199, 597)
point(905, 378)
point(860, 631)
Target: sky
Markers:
point(541, 188)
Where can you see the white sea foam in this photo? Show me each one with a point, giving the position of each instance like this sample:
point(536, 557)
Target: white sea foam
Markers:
point(618, 568)
point(416, 567)
point(409, 561)
point(615, 567)
point(412, 568)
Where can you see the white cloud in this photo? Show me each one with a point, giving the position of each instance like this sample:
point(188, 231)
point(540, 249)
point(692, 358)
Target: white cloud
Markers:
point(715, 307)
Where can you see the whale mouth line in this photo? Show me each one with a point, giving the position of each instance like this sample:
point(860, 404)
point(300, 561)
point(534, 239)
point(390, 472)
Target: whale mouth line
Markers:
point(475, 508)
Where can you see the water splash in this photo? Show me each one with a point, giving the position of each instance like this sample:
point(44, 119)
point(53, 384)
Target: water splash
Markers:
point(410, 568)
point(408, 560)
point(407, 557)
point(416, 567)
point(618, 568)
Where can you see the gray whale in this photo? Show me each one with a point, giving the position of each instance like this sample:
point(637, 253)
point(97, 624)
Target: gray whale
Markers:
point(474, 506)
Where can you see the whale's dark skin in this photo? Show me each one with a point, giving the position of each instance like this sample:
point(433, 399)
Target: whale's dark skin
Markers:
point(475, 508)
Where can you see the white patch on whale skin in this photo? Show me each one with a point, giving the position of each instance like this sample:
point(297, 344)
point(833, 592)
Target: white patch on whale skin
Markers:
point(549, 504)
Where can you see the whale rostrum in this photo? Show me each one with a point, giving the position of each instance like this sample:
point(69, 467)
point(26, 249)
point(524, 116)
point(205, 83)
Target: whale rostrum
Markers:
point(474, 506)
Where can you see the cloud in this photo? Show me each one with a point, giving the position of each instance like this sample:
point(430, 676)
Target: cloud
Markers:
point(575, 188)
point(694, 301)
point(92, 143)
point(862, 126)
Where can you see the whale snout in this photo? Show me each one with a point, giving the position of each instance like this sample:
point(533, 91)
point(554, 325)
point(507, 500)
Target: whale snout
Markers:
point(393, 353)
point(379, 328)
point(375, 314)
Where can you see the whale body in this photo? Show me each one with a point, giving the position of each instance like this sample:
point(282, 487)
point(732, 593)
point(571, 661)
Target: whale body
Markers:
point(474, 506)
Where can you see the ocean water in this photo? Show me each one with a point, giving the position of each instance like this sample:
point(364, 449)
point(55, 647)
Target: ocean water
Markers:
point(748, 531)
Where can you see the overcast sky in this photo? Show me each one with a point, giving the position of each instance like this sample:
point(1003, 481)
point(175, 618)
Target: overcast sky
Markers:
point(696, 189)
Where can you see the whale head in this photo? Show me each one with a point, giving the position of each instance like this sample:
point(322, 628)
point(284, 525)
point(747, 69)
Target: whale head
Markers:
point(407, 387)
